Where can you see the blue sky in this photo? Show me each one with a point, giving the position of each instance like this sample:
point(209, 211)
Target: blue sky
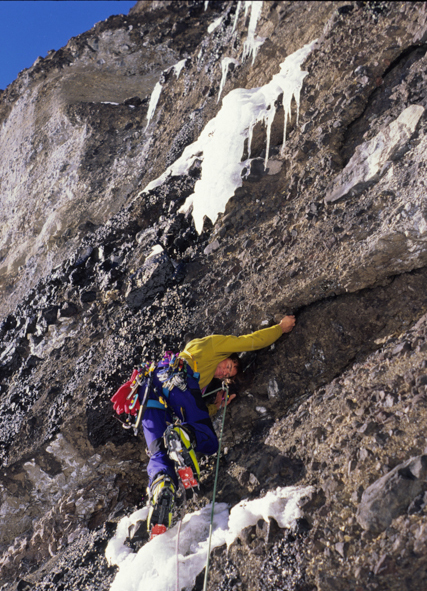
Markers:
point(30, 28)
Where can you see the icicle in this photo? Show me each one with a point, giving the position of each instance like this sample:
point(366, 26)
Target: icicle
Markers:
point(236, 16)
point(253, 43)
point(290, 81)
point(224, 67)
point(155, 95)
point(268, 119)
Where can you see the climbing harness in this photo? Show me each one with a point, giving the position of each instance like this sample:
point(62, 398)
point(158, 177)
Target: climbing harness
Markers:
point(134, 399)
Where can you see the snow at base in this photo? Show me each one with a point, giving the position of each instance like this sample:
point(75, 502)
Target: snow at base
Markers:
point(158, 563)
point(221, 144)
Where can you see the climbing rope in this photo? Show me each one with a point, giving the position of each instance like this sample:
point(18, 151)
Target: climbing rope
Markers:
point(224, 387)
point(177, 556)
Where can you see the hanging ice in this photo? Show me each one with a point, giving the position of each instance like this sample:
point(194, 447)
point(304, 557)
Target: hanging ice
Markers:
point(221, 143)
point(236, 16)
point(224, 67)
point(253, 43)
point(177, 68)
point(155, 95)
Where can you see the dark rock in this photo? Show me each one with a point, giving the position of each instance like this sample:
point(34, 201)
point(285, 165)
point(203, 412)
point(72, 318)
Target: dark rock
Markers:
point(368, 428)
point(150, 280)
point(67, 310)
point(392, 494)
point(87, 296)
point(77, 276)
point(8, 323)
point(32, 361)
point(50, 315)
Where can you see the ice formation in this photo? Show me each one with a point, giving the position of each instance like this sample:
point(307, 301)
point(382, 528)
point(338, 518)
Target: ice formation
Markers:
point(173, 560)
point(155, 95)
point(215, 24)
point(221, 144)
point(253, 43)
point(179, 67)
point(225, 63)
point(236, 16)
point(154, 99)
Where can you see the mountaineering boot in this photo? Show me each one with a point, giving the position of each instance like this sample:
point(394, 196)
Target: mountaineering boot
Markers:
point(179, 445)
point(162, 501)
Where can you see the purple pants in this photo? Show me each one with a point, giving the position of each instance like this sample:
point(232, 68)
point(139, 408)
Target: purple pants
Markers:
point(190, 408)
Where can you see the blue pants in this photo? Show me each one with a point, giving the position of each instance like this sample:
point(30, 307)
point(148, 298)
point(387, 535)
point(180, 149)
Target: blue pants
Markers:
point(190, 408)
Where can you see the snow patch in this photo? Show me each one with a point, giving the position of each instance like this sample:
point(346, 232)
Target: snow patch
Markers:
point(215, 24)
point(157, 249)
point(161, 566)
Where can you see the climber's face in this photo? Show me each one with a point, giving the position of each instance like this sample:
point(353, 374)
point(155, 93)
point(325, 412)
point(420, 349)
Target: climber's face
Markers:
point(226, 369)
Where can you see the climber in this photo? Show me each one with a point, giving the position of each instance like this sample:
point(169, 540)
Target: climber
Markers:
point(179, 393)
point(210, 357)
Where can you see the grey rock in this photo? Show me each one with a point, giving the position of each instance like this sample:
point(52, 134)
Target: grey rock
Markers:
point(67, 310)
point(151, 279)
point(372, 159)
point(212, 247)
point(390, 496)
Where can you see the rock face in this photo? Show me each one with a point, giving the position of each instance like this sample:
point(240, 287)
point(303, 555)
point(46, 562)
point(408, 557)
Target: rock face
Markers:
point(102, 265)
point(371, 159)
point(391, 495)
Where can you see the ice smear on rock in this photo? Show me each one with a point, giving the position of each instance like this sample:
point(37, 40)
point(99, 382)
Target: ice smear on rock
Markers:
point(154, 567)
point(155, 95)
point(221, 143)
point(225, 63)
point(283, 504)
point(178, 67)
point(154, 99)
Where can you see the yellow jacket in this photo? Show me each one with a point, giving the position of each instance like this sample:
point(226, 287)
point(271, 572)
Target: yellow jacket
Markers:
point(210, 351)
